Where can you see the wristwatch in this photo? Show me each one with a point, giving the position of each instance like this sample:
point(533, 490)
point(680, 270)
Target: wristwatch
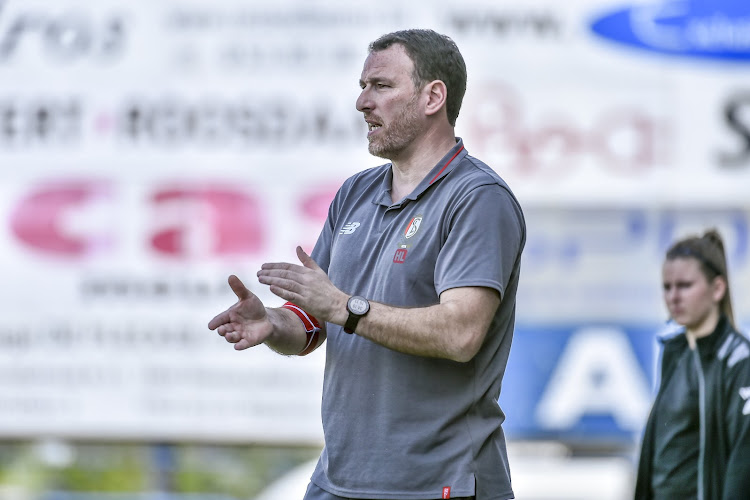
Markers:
point(357, 307)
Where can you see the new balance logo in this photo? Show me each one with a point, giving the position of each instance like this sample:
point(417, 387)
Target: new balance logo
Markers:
point(745, 394)
point(349, 228)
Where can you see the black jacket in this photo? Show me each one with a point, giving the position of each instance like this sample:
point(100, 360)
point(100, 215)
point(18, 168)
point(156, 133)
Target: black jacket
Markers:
point(724, 457)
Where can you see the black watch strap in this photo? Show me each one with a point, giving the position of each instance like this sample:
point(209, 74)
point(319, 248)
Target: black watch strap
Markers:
point(357, 307)
point(351, 323)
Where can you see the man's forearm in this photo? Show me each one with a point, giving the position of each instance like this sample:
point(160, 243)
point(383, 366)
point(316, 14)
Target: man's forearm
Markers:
point(289, 335)
point(453, 329)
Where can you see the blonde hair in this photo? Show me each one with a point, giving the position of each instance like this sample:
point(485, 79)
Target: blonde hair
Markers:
point(708, 250)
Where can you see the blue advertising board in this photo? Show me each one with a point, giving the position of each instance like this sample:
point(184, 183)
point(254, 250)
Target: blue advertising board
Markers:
point(580, 383)
point(702, 29)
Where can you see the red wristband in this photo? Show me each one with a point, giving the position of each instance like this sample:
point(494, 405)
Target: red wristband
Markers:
point(312, 327)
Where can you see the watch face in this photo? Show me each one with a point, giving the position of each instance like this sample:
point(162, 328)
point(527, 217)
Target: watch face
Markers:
point(358, 305)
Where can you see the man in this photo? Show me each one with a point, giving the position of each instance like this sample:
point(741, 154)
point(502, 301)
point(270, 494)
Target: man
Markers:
point(413, 283)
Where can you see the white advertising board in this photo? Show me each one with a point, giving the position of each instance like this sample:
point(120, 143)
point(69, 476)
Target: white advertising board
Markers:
point(150, 149)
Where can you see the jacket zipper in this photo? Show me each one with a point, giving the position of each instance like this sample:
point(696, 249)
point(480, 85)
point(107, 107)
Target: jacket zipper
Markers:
point(701, 420)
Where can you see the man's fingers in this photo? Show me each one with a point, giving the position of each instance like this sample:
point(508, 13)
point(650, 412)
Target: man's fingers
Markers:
point(283, 293)
point(306, 260)
point(240, 291)
point(268, 266)
point(218, 320)
point(239, 288)
point(241, 345)
point(226, 328)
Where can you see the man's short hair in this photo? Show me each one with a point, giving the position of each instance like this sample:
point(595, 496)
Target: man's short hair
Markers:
point(435, 57)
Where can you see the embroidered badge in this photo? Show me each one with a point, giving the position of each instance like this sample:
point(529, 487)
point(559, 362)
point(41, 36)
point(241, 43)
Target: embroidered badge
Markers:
point(400, 255)
point(413, 226)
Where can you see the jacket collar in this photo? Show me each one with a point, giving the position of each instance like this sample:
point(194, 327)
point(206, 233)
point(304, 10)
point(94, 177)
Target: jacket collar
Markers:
point(707, 345)
point(710, 343)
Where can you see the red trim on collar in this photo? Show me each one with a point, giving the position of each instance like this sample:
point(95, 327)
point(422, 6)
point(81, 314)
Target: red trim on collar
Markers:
point(446, 164)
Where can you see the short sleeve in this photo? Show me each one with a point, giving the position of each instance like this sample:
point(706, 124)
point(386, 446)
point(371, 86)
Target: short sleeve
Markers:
point(485, 236)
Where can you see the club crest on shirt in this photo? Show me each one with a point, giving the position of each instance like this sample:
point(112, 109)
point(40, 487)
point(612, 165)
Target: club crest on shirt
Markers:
point(413, 226)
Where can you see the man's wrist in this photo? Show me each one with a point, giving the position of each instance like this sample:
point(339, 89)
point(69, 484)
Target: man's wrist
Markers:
point(357, 308)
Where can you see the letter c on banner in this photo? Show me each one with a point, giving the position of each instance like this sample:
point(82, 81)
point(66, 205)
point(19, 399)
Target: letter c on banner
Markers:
point(46, 218)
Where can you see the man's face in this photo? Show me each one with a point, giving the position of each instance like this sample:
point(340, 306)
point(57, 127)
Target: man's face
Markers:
point(390, 102)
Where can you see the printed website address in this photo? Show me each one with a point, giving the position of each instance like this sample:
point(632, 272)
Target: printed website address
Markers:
point(507, 24)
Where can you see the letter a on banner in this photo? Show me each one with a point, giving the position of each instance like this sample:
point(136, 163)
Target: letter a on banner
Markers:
point(598, 374)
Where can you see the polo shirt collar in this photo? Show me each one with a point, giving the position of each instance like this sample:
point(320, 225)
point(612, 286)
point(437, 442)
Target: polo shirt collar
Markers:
point(443, 168)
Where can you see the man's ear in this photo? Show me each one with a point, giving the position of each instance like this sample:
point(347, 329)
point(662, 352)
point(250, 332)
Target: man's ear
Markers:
point(437, 94)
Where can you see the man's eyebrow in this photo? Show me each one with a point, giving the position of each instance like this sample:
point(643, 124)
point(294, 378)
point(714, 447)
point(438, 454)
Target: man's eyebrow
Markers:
point(375, 79)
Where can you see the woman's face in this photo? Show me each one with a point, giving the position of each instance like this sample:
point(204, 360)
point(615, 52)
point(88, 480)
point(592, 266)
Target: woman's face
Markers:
point(691, 299)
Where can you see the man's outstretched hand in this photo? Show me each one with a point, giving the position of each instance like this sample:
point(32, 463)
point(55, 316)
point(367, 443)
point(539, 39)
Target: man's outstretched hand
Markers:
point(246, 323)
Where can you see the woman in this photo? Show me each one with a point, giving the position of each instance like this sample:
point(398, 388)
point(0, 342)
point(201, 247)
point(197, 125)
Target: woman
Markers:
point(697, 439)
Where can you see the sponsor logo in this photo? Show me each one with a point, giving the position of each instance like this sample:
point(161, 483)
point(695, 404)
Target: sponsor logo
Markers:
point(413, 226)
point(77, 219)
point(707, 29)
point(64, 37)
point(400, 256)
point(623, 139)
point(257, 121)
point(349, 228)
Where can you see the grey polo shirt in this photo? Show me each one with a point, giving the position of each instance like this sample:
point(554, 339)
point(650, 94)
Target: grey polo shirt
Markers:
point(399, 426)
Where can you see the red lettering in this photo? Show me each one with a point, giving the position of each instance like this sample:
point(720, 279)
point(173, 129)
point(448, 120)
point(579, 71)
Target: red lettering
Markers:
point(186, 221)
point(42, 220)
point(207, 221)
point(400, 256)
point(624, 140)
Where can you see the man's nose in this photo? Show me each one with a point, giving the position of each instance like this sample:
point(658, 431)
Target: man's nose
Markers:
point(363, 101)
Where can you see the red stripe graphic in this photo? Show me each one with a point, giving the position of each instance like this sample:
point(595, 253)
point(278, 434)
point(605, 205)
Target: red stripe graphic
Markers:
point(446, 164)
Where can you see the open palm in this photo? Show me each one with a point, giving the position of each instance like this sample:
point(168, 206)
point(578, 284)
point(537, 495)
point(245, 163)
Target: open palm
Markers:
point(245, 324)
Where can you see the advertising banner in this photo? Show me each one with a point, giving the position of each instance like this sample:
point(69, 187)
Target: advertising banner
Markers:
point(150, 149)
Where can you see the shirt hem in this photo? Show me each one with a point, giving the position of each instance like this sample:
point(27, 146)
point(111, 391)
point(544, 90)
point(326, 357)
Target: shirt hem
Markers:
point(394, 496)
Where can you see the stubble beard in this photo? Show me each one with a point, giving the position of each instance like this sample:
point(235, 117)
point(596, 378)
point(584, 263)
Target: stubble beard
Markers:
point(399, 134)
